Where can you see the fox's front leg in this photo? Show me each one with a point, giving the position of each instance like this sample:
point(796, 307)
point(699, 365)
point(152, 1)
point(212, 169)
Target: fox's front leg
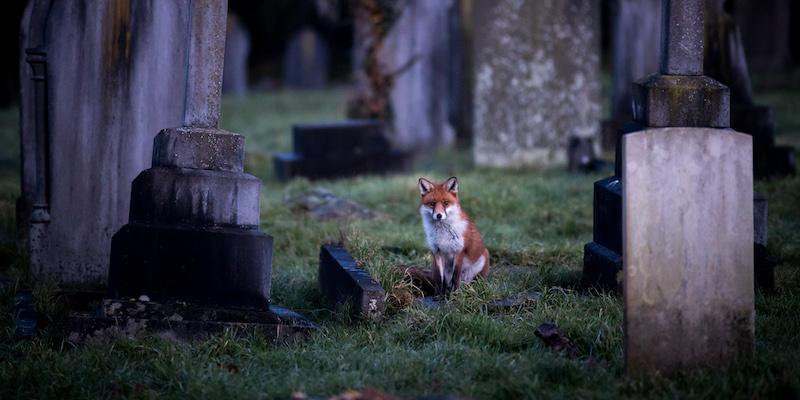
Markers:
point(458, 263)
point(438, 274)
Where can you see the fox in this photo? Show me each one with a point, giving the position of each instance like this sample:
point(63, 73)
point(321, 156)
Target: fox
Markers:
point(459, 254)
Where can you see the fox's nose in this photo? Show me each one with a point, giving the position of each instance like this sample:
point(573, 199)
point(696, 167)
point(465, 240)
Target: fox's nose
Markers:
point(438, 216)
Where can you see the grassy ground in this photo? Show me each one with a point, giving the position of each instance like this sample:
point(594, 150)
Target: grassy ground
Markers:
point(535, 224)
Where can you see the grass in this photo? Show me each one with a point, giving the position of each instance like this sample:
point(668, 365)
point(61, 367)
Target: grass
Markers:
point(535, 224)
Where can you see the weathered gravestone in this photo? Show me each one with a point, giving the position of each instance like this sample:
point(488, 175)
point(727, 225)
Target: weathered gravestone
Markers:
point(193, 231)
point(422, 54)
point(340, 149)
point(725, 61)
point(687, 214)
point(237, 52)
point(636, 34)
point(97, 79)
point(537, 79)
point(306, 61)
point(766, 32)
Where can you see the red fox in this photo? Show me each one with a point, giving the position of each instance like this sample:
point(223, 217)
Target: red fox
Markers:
point(458, 250)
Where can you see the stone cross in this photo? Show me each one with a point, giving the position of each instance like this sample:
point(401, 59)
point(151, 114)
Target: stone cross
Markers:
point(682, 29)
point(687, 214)
point(193, 232)
point(205, 62)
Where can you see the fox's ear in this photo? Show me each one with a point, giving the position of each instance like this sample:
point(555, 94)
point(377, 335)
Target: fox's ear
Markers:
point(452, 185)
point(424, 186)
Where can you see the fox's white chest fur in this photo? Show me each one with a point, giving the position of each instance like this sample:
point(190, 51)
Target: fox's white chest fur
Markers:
point(445, 236)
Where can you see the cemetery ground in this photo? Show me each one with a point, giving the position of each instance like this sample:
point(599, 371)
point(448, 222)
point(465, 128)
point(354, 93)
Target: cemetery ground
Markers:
point(535, 224)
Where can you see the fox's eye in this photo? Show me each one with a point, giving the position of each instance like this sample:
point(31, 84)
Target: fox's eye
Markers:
point(446, 202)
point(431, 204)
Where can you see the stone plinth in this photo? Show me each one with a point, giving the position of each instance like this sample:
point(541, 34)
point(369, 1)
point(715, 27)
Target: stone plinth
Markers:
point(681, 100)
point(343, 282)
point(537, 80)
point(687, 249)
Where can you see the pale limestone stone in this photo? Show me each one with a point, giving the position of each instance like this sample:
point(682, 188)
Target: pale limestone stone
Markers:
point(536, 80)
point(688, 248)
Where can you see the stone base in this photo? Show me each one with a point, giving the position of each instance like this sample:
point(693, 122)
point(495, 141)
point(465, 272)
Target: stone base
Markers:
point(199, 264)
point(681, 100)
point(342, 281)
point(133, 319)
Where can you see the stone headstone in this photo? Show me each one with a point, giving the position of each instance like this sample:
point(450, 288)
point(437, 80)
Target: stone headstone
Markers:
point(636, 36)
point(725, 62)
point(96, 107)
point(766, 27)
point(635, 49)
point(237, 52)
point(306, 61)
point(422, 54)
point(688, 254)
point(537, 79)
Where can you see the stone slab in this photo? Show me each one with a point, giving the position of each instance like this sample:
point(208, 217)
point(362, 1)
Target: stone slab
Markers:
point(199, 148)
point(84, 329)
point(352, 138)
point(208, 265)
point(94, 318)
point(343, 282)
point(688, 253)
point(202, 197)
point(290, 165)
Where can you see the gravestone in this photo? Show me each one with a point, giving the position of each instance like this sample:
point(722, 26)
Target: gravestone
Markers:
point(306, 60)
point(339, 150)
point(687, 213)
point(635, 38)
point(193, 230)
point(725, 61)
point(421, 52)
point(87, 118)
point(766, 27)
point(688, 254)
point(237, 52)
point(537, 80)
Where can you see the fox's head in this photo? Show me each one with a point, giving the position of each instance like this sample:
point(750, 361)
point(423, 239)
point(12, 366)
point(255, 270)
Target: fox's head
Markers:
point(438, 199)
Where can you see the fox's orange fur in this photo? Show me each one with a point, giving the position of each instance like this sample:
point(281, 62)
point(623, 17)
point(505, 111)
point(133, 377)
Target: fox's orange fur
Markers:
point(458, 250)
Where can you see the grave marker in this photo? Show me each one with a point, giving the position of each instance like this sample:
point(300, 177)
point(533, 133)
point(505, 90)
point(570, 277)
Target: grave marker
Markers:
point(687, 214)
point(537, 80)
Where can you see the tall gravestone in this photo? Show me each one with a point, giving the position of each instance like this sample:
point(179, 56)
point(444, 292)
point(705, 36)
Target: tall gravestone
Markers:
point(97, 79)
point(237, 52)
point(636, 31)
point(421, 52)
point(536, 79)
point(306, 61)
point(687, 213)
point(725, 61)
point(193, 230)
